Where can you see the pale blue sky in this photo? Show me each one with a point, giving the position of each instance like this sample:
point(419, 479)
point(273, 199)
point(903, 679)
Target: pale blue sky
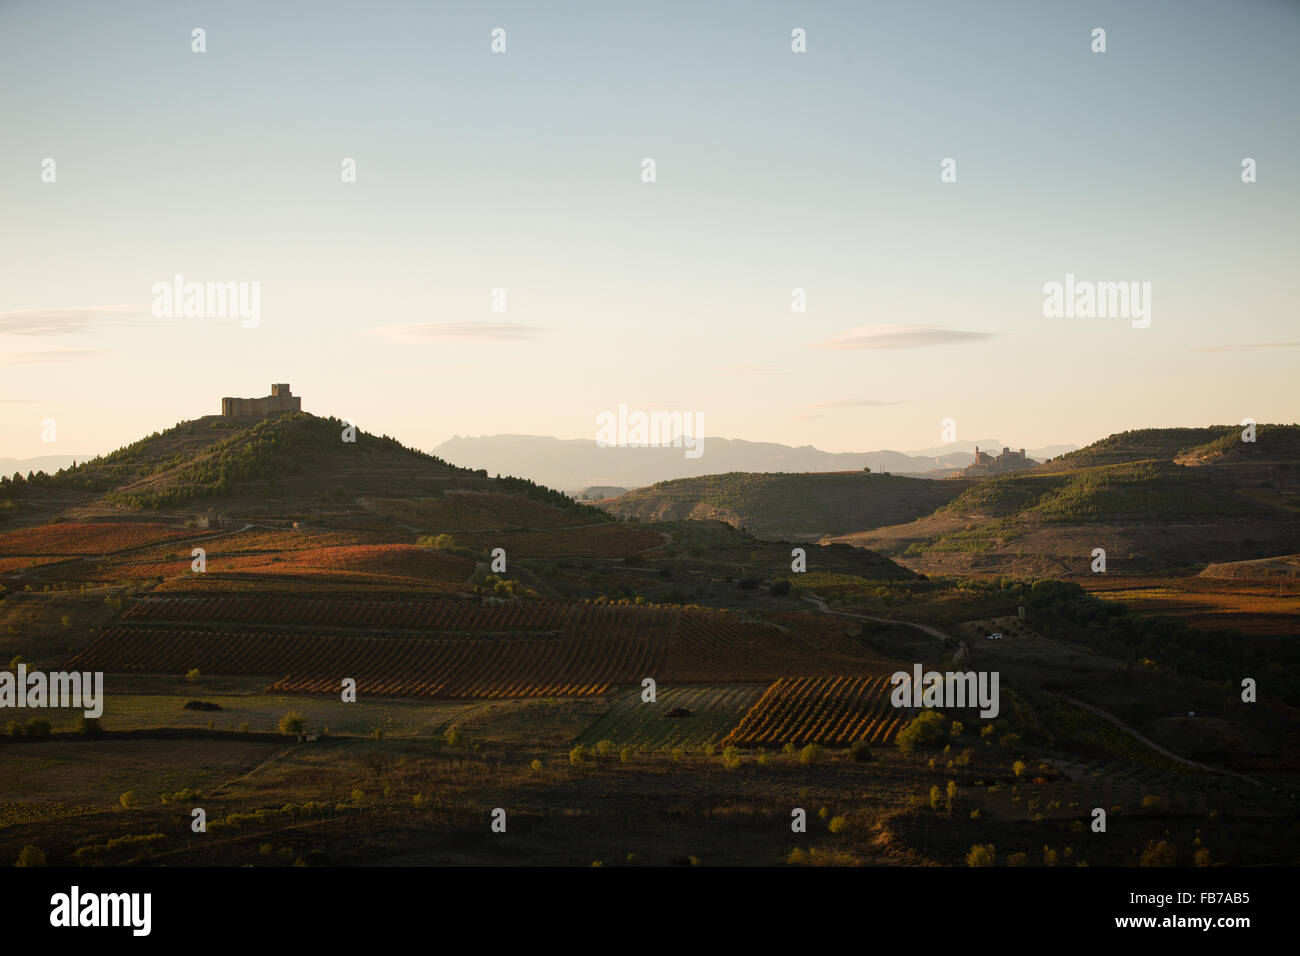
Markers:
point(775, 170)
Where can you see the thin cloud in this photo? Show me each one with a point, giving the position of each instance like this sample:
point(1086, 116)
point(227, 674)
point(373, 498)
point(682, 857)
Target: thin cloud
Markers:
point(754, 370)
point(1241, 346)
point(49, 356)
point(85, 318)
point(18, 401)
point(419, 332)
point(900, 337)
point(853, 403)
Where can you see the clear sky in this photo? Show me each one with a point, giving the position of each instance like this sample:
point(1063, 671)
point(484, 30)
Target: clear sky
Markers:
point(775, 170)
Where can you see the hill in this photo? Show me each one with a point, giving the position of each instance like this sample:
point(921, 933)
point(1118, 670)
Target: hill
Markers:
point(1154, 500)
point(296, 464)
point(574, 464)
point(799, 507)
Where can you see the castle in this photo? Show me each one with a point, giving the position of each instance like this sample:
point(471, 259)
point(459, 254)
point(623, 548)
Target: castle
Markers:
point(277, 403)
point(986, 464)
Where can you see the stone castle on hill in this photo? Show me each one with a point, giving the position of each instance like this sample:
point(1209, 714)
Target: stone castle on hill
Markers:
point(986, 464)
point(277, 403)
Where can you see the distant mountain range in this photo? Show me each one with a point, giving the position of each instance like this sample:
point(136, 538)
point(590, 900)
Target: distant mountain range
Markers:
point(45, 463)
point(575, 464)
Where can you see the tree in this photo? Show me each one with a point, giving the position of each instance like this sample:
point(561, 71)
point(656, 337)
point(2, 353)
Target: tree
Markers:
point(127, 800)
point(292, 723)
point(193, 675)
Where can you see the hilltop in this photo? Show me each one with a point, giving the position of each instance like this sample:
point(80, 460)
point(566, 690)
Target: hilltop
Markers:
point(800, 507)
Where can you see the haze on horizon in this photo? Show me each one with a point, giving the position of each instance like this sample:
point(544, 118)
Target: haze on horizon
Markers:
point(522, 170)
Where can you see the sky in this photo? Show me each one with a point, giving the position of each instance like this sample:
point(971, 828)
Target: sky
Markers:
point(774, 170)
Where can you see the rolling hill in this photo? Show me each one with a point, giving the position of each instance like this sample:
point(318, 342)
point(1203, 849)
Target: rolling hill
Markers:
point(1154, 500)
point(798, 507)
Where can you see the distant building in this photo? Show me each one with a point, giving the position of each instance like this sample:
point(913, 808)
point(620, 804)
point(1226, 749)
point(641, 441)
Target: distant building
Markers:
point(986, 464)
point(277, 403)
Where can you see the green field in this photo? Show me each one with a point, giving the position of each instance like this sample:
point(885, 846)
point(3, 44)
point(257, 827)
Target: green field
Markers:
point(715, 709)
point(263, 712)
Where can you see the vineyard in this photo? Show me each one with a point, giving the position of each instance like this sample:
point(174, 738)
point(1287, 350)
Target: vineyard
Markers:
point(825, 710)
point(402, 646)
point(73, 539)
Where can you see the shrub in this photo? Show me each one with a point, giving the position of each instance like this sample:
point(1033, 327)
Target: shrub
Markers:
point(985, 855)
point(605, 747)
point(1018, 859)
point(1019, 768)
point(88, 727)
point(838, 825)
point(418, 801)
point(779, 588)
point(454, 736)
point(1152, 802)
point(577, 755)
point(789, 749)
point(812, 754)
point(31, 856)
point(193, 675)
point(38, 727)
point(731, 758)
point(292, 723)
point(1203, 857)
point(925, 730)
point(536, 765)
point(860, 751)
point(127, 800)
point(625, 755)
